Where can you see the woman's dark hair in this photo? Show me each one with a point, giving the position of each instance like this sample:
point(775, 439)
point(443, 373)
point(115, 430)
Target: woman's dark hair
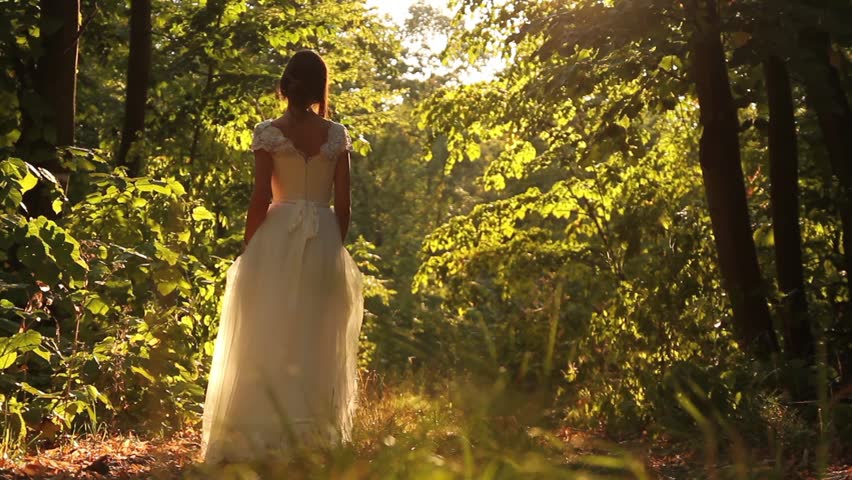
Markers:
point(304, 82)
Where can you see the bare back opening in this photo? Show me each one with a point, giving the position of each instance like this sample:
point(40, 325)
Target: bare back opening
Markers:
point(307, 136)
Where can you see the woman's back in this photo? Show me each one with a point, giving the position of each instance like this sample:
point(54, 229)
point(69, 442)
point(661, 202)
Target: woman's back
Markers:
point(304, 156)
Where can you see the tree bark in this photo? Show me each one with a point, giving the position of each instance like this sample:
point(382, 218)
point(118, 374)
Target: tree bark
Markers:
point(54, 78)
point(827, 98)
point(57, 68)
point(138, 75)
point(724, 185)
point(784, 199)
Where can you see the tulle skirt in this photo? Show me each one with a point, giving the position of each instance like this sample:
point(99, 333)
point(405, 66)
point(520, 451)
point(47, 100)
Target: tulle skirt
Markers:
point(285, 358)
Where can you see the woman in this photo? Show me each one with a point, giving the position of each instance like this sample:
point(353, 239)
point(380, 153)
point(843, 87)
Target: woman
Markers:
point(284, 363)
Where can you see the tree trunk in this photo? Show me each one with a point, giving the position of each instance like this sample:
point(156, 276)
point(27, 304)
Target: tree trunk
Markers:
point(57, 68)
point(826, 97)
point(138, 75)
point(724, 185)
point(55, 83)
point(784, 198)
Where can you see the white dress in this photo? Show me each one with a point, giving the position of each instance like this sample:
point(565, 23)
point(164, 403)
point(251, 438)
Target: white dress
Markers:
point(285, 358)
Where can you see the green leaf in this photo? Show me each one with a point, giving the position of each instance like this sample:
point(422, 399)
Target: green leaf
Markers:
point(32, 390)
point(28, 182)
point(94, 394)
point(51, 253)
point(42, 353)
point(7, 359)
point(166, 254)
point(200, 213)
point(671, 63)
point(473, 151)
point(361, 146)
point(25, 341)
point(97, 306)
point(148, 185)
point(145, 373)
point(176, 187)
point(764, 236)
point(168, 280)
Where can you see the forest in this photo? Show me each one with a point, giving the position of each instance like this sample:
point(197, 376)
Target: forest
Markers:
point(623, 254)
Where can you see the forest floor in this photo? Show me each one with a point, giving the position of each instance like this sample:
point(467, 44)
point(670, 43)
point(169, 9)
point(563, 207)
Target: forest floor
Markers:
point(132, 458)
point(423, 430)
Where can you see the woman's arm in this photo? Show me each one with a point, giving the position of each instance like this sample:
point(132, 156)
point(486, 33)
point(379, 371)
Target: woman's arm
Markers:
point(261, 195)
point(342, 200)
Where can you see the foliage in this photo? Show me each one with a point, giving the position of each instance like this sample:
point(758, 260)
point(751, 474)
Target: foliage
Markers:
point(101, 328)
point(591, 266)
point(543, 231)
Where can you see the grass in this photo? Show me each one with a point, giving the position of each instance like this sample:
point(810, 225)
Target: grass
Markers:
point(422, 427)
point(430, 428)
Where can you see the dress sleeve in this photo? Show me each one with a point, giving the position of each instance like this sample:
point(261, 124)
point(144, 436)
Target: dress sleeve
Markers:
point(345, 141)
point(263, 137)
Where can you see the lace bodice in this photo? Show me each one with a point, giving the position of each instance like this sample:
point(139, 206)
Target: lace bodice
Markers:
point(298, 176)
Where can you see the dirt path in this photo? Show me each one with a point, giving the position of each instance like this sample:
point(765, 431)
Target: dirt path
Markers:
point(124, 458)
